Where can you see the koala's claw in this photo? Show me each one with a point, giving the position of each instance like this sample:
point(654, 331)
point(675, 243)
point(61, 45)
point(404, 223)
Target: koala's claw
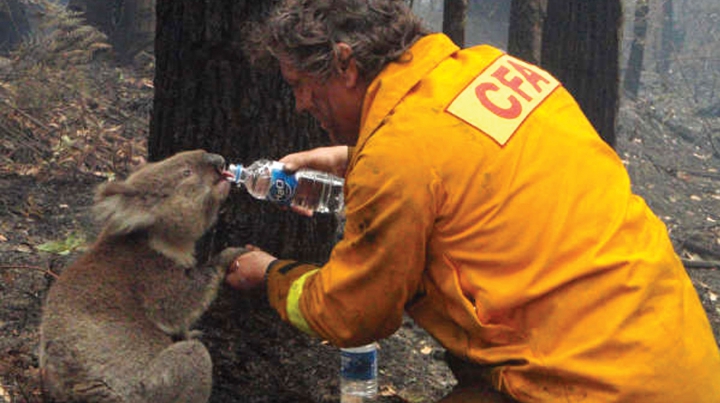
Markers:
point(187, 335)
point(228, 255)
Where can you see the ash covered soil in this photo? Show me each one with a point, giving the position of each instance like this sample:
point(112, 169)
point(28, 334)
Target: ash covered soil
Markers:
point(669, 148)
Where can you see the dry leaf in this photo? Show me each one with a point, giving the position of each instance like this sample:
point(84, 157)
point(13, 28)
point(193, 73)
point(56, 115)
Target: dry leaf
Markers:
point(713, 297)
point(3, 238)
point(4, 395)
point(115, 129)
point(388, 390)
point(147, 83)
point(683, 175)
point(426, 350)
point(23, 248)
point(28, 170)
point(702, 157)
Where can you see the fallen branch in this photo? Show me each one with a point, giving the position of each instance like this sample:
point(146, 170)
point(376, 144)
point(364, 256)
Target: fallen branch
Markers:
point(700, 264)
point(31, 118)
point(695, 247)
point(704, 174)
point(25, 139)
point(46, 271)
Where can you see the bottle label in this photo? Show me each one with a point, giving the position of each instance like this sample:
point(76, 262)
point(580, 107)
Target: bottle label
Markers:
point(282, 186)
point(358, 366)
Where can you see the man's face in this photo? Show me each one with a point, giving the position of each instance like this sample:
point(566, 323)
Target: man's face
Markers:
point(335, 102)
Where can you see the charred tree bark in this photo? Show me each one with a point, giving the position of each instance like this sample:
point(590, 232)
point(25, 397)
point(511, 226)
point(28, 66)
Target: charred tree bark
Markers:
point(634, 68)
point(14, 25)
point(129, 24)
point(208, 96)
point(525, 32)
point(581, 48)
point(667, 35)
point(454, 19)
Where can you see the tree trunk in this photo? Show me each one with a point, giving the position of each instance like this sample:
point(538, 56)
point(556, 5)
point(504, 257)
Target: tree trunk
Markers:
point(581, 48)
point(129, 24)
point(207, 96)
point(667, 33)
point(454, 18)
point(637, 49)
point(525, 32)
point(14, 25)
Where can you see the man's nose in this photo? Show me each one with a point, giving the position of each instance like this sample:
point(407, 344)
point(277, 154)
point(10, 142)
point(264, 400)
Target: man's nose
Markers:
point(302, 101)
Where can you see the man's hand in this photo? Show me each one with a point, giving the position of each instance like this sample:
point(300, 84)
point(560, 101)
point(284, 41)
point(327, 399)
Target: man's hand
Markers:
point(333, 160)
point(247, 271)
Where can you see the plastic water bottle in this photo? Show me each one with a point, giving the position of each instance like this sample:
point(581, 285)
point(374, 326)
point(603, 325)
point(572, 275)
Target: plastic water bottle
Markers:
point(312, 190)
point(358, 373)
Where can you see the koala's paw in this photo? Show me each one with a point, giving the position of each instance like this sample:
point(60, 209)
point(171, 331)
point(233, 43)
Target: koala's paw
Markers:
point(227, 256)
point(186, 335)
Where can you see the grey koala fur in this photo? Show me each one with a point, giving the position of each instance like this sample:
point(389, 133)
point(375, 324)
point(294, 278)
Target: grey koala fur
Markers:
point(112, 321)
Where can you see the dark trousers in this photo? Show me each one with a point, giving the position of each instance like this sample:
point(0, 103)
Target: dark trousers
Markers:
point(474, 383)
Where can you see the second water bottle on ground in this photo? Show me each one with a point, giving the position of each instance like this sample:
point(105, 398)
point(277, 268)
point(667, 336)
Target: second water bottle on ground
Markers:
point(358, 373)
point(312, 190)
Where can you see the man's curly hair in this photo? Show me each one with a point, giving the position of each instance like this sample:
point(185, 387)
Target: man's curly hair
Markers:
point(306, 34)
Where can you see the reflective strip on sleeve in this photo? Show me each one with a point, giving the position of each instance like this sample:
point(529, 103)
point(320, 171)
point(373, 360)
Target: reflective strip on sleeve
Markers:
point(293, 304)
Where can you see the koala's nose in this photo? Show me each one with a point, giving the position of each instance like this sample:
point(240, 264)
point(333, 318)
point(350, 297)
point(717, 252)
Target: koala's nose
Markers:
point(215, 160)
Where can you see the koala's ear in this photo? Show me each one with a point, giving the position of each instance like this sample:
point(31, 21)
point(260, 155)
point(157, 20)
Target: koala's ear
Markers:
point(117, 205)
point(136, 163)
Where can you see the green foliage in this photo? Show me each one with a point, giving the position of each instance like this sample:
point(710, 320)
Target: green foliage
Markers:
point(76, 241)
point(62, 40)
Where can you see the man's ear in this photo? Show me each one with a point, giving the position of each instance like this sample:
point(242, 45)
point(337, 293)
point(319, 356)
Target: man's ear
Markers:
point(346, 65)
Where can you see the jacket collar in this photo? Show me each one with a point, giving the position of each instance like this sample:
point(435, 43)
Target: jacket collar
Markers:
point(398, 78)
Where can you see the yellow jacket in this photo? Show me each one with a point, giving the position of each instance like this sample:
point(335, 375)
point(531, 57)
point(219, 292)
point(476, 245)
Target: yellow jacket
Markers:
point(481, 201)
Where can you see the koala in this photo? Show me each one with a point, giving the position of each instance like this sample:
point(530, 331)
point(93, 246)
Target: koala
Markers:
point(116, 324)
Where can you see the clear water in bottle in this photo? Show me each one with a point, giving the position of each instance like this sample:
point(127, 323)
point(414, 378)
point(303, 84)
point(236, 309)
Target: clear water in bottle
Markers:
point(308, 189)
point(318, 191)
point(358, 373)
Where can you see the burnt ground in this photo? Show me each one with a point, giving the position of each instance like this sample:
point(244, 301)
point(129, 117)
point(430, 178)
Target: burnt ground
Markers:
point(669, 146)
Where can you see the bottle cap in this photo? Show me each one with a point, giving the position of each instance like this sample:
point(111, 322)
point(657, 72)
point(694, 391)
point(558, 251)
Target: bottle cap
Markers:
point(232, 174)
